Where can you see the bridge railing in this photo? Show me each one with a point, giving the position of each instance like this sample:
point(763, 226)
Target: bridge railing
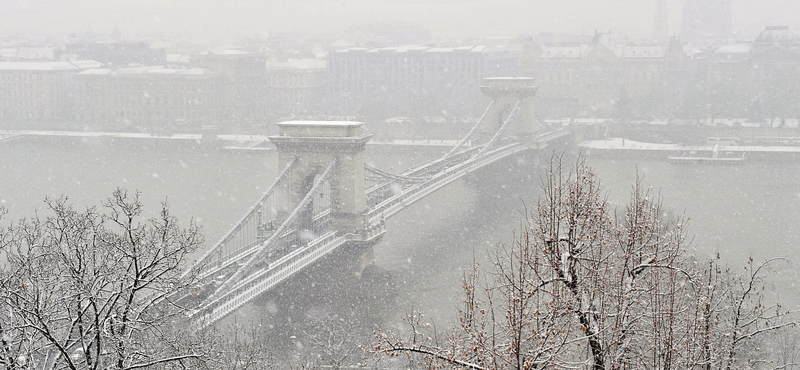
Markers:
point(471, 131)
point(388, 189)
point(305, 207)
point(323, 223)
point(252, 228)
point(379, 195)
point(393, 204)
point(262, 280)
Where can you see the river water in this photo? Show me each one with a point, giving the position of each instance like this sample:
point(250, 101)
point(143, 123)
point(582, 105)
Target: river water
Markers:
point(741, 211)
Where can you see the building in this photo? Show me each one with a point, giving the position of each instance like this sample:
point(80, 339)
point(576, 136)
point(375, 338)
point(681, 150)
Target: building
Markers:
point(115, 54)
point(415, 80)
point(296, 87)
point(757, 80)
point(245, 82)
point(164, 98)
point(27, 53)
point(606, 78)
point(38, 92)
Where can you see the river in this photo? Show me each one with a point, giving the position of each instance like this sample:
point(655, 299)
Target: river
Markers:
point(739, 211)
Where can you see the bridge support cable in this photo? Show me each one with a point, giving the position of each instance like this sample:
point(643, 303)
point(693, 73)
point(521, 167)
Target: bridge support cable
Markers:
point(251, 224)
point(260, 281)
point(395, 203)
point(471, 131)
point(258, 255)
point(490, 144)
point(387, 189)
point(392, 176)
point(544, 123)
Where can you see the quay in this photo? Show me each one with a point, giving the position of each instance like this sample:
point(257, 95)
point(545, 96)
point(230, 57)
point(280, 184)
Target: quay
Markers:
point(637, 149)
point(235, 142)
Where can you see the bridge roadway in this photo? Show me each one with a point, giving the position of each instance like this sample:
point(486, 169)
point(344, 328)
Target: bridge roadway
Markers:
point(286, 258)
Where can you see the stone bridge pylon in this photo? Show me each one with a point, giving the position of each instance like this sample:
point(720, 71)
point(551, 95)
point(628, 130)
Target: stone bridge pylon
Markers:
point(502, 95)
point(314, 145)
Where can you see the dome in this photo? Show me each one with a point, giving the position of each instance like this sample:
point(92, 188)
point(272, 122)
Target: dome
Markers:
point(777, 35)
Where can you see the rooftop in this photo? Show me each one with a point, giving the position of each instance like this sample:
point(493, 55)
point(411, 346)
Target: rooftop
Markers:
point(320, 123)
point(734, 49)
point(49, 66)
point(777, 35)
point(426, 49)
point(306, 63)
point(144, 71)
point(644, 51)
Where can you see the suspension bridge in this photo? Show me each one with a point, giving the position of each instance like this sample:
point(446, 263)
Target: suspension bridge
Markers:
point(326, 197)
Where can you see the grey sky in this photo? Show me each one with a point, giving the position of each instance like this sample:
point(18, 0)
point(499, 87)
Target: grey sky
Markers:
point(444, 18)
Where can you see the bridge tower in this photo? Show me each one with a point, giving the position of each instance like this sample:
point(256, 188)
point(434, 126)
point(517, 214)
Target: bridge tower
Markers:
point(504, 93)
point(316, 144)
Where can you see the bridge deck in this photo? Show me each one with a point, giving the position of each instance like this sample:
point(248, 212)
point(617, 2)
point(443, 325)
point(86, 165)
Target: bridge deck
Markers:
point(270, 274)
point(259, 260)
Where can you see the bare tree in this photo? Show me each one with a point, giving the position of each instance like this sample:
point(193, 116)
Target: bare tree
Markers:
point(333, 340)
point(91, 289)
point(237, 348)
point(583, 286)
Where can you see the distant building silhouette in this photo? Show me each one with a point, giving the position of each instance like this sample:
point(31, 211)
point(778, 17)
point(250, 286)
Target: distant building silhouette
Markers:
point(118, 54)
point(38, 92)
point(601, 76)
point(414, 80)
point(149, 97)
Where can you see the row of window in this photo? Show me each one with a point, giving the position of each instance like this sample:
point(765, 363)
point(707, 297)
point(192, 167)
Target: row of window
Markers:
point(19, 76)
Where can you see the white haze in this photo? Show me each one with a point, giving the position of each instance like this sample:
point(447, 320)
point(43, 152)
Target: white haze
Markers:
point(443, 18)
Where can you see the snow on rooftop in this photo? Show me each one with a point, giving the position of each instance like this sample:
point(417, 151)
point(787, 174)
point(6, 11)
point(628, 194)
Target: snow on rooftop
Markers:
point(734, 49)
point(642, 51)
point(35, 52)
point(306, 64)
point(87, 64)
point(427, 49)
point(97, 71)
point(8, 52)
point(225, 51)
point(562, 51)
point(143, 71)
point(322, 123)
point(439, 50)
point(159, 44)
point(351, 49)
point(48, 66)
point(508, 78)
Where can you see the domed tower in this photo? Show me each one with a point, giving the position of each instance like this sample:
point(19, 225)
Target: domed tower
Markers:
point(776, 36)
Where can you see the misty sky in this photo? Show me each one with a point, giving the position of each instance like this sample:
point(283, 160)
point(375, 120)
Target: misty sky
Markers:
point(443, 18)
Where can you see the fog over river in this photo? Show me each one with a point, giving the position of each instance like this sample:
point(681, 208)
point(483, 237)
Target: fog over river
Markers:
point(740, 211)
